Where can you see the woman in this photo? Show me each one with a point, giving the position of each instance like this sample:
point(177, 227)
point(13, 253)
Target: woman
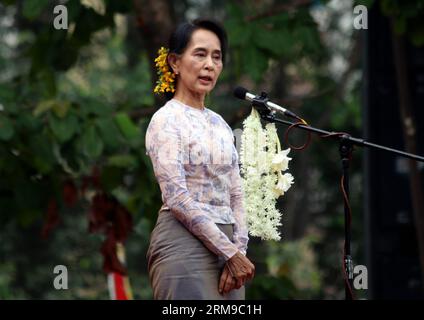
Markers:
point(198, 246)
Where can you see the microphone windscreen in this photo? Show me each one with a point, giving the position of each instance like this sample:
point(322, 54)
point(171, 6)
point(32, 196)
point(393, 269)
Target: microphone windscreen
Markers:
point(240, 93)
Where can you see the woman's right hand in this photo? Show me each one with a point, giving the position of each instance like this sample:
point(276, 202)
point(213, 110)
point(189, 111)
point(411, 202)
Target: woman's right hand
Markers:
point(241, 268)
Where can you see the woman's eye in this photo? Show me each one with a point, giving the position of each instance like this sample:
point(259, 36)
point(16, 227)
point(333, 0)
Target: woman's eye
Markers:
point(200, 54)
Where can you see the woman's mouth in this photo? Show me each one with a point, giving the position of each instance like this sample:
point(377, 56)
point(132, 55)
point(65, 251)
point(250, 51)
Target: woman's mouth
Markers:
point(205, 80)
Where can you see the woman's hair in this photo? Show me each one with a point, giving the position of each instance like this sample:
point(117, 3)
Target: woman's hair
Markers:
point(180, 38)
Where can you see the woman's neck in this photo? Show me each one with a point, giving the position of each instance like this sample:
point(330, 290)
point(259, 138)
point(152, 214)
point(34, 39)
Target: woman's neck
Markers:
point(193, 100)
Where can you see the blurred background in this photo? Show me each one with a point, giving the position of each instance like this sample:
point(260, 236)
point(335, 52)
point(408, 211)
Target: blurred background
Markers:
point(75, 104)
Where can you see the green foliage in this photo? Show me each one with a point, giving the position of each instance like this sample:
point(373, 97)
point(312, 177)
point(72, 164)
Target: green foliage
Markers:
point(292, 271)
point(408, 18)
point(110, 133)
point(367, 3)
point(33, 8)
point(6, 128)
point(90, 142)
point(127, 127)
point(63, 129)
point(281, 36)
point(49, 128)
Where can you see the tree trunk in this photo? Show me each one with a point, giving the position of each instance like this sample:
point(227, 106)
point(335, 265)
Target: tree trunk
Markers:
point(410, 140)
point(155, 22)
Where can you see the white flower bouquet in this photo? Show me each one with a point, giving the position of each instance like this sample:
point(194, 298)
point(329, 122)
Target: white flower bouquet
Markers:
point(262, 166)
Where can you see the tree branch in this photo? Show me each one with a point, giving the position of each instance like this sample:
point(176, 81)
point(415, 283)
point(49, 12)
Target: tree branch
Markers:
point(279, 9)
point(155, 22)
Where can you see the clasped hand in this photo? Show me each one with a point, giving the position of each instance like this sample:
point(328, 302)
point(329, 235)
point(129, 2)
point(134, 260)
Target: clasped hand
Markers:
point(237, 270)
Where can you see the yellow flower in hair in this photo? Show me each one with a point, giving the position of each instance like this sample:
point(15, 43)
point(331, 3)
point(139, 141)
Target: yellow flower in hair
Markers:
point(166, 80)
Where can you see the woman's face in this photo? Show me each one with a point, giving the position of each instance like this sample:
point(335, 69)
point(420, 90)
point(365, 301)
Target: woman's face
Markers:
point(200, 65)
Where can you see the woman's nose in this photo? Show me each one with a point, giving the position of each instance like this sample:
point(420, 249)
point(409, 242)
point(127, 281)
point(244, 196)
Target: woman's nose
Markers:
point(209, 63)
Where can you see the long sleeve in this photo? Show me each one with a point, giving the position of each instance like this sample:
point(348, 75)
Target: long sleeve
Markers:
point(240, 236)
point(164, 146)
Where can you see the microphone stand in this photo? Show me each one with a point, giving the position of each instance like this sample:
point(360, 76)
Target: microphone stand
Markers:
point(346, 144)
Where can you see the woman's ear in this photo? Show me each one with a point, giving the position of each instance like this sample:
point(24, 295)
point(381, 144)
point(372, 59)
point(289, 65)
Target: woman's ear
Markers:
point(173, 61)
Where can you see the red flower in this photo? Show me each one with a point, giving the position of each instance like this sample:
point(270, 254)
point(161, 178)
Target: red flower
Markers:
point(70, 193)
point(52, 219)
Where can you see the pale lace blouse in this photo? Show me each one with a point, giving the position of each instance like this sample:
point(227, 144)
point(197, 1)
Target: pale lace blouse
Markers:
point(196, 165)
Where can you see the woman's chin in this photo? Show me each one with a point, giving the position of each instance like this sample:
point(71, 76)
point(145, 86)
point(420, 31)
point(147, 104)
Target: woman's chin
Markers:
point(204, 89)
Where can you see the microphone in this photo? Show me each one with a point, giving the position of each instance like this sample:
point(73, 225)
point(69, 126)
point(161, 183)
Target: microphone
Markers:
point(243, 94)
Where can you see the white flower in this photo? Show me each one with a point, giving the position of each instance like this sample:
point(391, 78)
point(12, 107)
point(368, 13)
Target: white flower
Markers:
point(284, 183)
point(262, 164)
point(280, 162)
point(96, 5)
point(251, 171)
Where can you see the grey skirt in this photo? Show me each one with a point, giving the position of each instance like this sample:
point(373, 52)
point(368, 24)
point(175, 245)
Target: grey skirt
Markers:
point(181, 267)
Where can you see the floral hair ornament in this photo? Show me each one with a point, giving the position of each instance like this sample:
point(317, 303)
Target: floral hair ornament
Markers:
point(166, 80)
point(262, 166)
